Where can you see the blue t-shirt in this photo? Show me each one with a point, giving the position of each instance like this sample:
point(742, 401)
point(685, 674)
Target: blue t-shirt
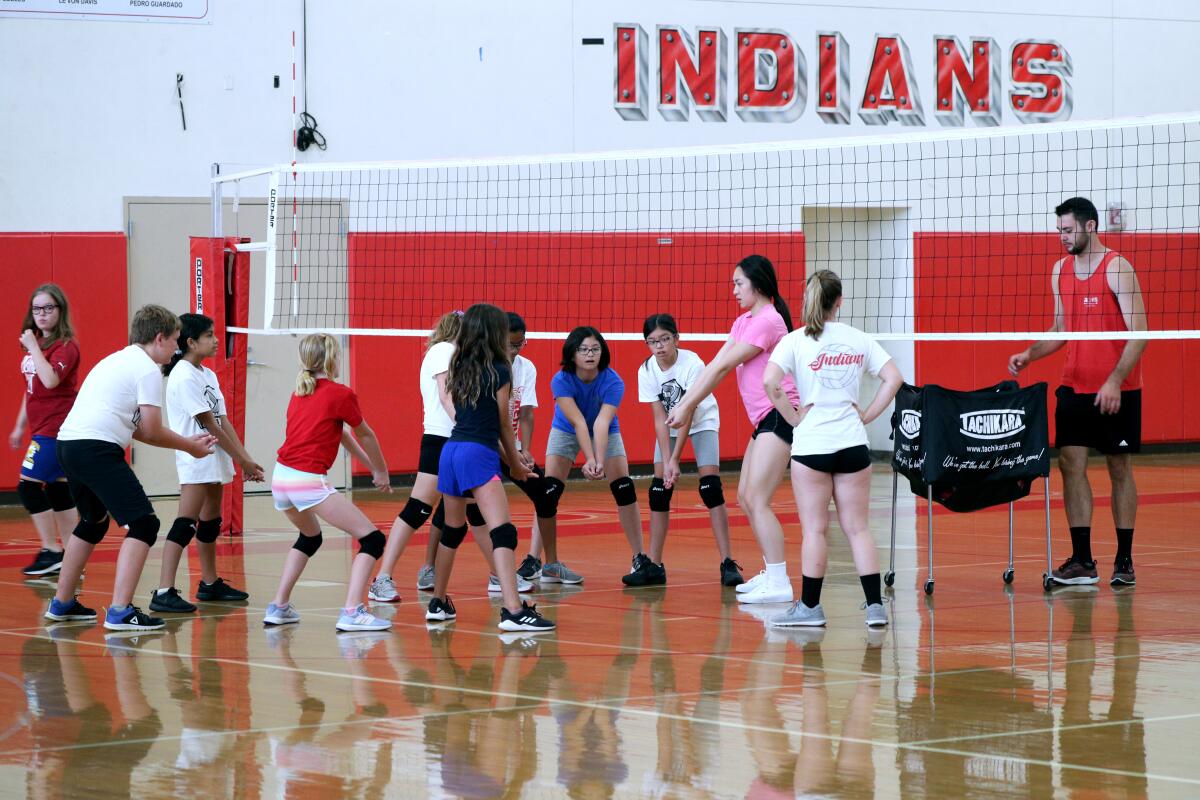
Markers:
point(607, 387)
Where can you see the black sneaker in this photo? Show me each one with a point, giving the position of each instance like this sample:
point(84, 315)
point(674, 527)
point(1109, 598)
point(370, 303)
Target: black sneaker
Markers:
point(170, 602)
point(45, 562)
point(67, 612)
point(131, 619)
point(731, 573)
point(219, 592)
point(530, 568)
point(440, 610)
point(1122, 574)
point(527, 619)
point(645, 572)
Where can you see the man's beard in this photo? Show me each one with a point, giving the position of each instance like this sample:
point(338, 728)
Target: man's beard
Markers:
point(1080, 244)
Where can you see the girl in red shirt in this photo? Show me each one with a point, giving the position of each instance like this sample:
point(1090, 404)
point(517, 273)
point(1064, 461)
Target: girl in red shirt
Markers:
point(322, 415)
point(50, 367)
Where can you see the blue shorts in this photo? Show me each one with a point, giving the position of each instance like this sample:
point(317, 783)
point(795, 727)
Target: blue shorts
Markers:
point(465, 465)
point(41, 461)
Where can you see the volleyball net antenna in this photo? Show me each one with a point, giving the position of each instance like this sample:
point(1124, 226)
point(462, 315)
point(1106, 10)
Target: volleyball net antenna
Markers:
point(942, 235)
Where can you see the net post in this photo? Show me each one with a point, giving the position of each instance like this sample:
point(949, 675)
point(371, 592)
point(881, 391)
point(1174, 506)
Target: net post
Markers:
point(217, 202)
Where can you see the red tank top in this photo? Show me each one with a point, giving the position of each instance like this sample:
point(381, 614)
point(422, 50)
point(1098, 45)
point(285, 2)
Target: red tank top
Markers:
point(1090, 305)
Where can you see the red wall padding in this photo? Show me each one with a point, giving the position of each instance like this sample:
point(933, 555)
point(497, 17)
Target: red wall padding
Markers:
point(91, 268)
point(1001, 282)
point(554, 281)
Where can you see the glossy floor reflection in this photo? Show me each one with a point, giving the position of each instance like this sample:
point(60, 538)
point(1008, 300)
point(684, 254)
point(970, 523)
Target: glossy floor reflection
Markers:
point(981, 690)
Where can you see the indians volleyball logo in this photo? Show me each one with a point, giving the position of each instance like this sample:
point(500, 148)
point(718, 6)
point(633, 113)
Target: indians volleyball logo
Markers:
point(836, 366)
point(995, 424)
point(670, 395)
point(910, 423)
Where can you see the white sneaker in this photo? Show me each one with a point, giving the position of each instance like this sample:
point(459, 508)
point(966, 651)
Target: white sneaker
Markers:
point(523, 585)
point(383, 590)
point(767, 593)
point(361, 620)
point(752, 584)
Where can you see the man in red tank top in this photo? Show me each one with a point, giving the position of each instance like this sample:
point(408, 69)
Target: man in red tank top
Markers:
point(1100, 400)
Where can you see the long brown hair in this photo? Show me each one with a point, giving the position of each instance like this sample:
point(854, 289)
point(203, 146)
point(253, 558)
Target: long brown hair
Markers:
point(63, 330)
point(481, 342)
point(820, 295)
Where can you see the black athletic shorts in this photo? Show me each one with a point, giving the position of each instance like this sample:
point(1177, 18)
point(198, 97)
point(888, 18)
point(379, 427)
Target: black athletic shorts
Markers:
point(776, 424)
point(850, 459)
point(102, 481)
point(532, 487)
point(431, 453)
point(1079, 423)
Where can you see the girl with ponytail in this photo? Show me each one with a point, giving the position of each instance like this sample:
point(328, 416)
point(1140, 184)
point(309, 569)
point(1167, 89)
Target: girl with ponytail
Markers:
point(754, 335)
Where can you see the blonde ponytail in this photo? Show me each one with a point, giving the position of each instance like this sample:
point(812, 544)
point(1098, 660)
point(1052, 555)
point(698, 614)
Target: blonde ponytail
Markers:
point(821, 293)
point(318, 354)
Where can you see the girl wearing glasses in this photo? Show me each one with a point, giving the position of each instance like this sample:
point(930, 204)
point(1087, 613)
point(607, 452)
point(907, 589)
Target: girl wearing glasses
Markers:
point(663, 381)
point(587, 392)
point(746, 351)
point(50, 368)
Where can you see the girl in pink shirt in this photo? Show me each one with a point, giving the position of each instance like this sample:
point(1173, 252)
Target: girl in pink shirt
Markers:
point(748, 349)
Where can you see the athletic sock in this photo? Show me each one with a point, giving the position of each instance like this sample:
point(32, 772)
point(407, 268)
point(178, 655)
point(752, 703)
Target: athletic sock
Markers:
point(1124, 544)
point(810, 591)
point(777, 574)
point(870, 585)
point(162, 590)
point(1081, 543)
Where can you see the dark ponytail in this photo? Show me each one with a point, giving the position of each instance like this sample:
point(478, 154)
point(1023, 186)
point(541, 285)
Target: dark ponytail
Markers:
point(191, 326)
point(761, 273)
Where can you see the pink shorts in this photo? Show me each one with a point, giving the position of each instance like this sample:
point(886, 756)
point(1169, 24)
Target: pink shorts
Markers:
point(291, 488)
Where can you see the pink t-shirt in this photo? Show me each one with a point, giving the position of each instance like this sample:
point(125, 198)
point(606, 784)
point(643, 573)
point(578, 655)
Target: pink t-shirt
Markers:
point(763, 331)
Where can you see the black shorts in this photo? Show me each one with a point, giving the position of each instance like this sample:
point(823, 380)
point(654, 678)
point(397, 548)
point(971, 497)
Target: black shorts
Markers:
point(102, 482)
point(1079, 423)
point(431, 453)
point(531, 487)
point(851, 459)
point(776, 424)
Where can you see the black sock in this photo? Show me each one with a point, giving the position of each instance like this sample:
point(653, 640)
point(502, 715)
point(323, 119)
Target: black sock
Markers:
point(810, 591)
point(1081, 543)
point(1124, 544)
point(871, 588)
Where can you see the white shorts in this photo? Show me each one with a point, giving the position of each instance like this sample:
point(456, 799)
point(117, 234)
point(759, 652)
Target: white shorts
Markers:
point(216, 468)
point(706, 445)
point(292, 488)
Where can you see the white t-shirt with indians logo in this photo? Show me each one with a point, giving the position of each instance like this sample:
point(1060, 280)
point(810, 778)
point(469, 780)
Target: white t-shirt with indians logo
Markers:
point(523, 393)
point(828, 372)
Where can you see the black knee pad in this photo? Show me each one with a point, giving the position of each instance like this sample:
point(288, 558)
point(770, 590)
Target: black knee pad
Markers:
point(452, 536)
point(711, 493)
point(182, 531)
point(91, 532)
point(546, 505)
point(439, 516)
point(475, 516)
point(660, 495)
point(144, 529)
point(372, 544)
point(33, 496)
point(623, 491)
point(60, 496)
point(415, 513)
point(504, 536)
point(308, 545)
point(208, 530)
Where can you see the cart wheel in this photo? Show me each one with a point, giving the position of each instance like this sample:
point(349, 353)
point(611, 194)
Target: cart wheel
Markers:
point(889, 578)
point(929, 586)
point(1047, 583)
point(1008, 576)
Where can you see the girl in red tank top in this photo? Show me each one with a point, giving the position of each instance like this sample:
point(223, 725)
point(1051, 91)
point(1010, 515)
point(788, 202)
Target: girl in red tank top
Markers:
point(1091, 305)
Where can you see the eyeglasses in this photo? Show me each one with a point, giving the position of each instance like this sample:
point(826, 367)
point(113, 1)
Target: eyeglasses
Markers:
point(663, 342)
point(590, 351)
point(43, 311)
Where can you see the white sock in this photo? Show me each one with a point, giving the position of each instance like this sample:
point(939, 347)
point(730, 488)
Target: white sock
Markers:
point(777, 574)
point(163, 590)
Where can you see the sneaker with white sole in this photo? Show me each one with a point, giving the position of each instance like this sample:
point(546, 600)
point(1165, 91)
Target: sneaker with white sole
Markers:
point(876, 615)
point(531, 568)
point(527, 619)
point(361, 620)
point(72, 611)
point(767, 592)
point(281, 615)
point(425, 578)
point(558, 572)
point(131, 618)
point(45, 563)
point(800, 616)
point(383, 590)
point(441, 610)
point(523, 585)
point(751, 584)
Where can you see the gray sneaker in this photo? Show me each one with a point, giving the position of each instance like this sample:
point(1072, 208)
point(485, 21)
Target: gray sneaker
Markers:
point(383, 590)
point(523, 585)
point(876, 616)
point(425, 578)
point(800, 615)
point(558, 572)
point(281, 615)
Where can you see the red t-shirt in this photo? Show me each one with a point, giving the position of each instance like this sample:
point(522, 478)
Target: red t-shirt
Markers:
point(1091, 305)
point(47, 408)
point(314, 426)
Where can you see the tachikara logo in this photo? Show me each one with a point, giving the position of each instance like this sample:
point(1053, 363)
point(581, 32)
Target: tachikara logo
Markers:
point(1091, 301)
point(910, 423)
point(997, 424)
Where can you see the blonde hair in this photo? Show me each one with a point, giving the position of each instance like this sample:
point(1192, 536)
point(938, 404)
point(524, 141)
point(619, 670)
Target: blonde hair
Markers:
point(446, 330)
point(318, 353)
point(821, 293)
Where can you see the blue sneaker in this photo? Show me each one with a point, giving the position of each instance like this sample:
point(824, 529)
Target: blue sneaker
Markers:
point(131, 618)
point(361, 620)
point(74, 610)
